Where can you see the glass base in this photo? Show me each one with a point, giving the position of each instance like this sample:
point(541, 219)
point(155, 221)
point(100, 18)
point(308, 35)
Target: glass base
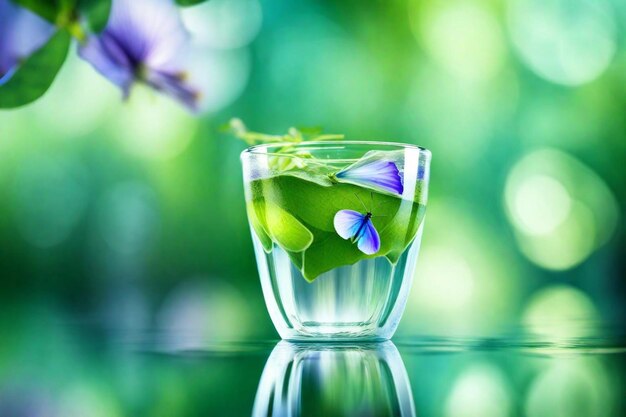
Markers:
point(315, 332)
point(363, 301)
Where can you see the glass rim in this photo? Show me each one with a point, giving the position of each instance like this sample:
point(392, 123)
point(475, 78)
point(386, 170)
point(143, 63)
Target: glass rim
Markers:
point(262, 149)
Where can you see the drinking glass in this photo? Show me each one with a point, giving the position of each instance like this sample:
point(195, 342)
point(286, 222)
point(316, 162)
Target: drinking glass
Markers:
point(336, 228)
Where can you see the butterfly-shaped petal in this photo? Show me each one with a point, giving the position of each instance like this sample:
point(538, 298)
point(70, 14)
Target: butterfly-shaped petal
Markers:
point(368, 242)
point(377, 173)
point(358, 227)
point(347, 223)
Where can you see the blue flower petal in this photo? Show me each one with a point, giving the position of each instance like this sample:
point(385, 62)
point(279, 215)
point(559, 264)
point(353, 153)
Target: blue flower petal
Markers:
point(378, 173)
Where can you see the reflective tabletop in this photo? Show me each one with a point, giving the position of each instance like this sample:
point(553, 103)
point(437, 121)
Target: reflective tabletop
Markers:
point(70, 369)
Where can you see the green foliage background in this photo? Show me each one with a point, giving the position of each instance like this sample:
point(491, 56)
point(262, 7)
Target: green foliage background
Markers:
point(109, 204)
point(125, 222)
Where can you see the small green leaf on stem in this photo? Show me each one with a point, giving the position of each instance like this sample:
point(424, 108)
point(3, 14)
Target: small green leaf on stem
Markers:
point(49, 10)
point(189, 2)
point(294, 135)
point(95, 12)
point(36, 74)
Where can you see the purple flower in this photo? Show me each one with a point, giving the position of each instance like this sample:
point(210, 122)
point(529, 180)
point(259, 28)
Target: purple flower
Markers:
point(21, 33)
point(143, 41)
point(377, 173)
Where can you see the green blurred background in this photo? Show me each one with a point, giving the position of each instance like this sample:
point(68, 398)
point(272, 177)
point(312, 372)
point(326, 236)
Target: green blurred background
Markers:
point(127, 219)
point(132, 214)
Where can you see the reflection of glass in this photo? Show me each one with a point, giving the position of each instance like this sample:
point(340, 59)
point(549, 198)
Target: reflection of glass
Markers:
point(336, 229)
point(334, 380)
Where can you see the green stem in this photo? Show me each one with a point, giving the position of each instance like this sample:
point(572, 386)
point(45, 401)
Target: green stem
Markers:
point(76, 30)
point(293, 136)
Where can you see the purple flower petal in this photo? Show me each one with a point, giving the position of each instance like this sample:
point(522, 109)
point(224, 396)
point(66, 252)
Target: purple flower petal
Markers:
point(368, 241)
point(150, 31)
point(143, 41)
point(108, 58)
point(21, 33)
point(173, 84)
point(377, 173)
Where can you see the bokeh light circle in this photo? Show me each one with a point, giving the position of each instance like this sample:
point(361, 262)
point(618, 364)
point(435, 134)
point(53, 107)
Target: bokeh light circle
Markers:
point(453, 286)
point(465, 38)
point(541, 204)
point(87, 399)
point(312, 62)
point(463, 282)
point(568, 42)
point(128, 217)
point(570, 387)
point(482, 390)
point(201, 311)
point(152, 126)
point(221, 76)
point(560, 209)
point(50, 196)
point(78, 101)
point(455, 115)
point(560, 311)
point(224, 24)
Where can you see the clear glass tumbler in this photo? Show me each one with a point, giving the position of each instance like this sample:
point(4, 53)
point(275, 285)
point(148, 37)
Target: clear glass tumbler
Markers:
point(336, 228)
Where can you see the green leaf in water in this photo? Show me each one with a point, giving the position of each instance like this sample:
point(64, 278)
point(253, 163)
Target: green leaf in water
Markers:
point(271, 223)
point(405, 227)
point(329, 251)
point(314, 206)
point(256, 212)
point(296, 258)
point(286, 230)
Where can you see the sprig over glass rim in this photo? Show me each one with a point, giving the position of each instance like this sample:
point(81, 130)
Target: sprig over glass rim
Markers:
point(376, 170)
point(284, 158)
point(237, 127)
